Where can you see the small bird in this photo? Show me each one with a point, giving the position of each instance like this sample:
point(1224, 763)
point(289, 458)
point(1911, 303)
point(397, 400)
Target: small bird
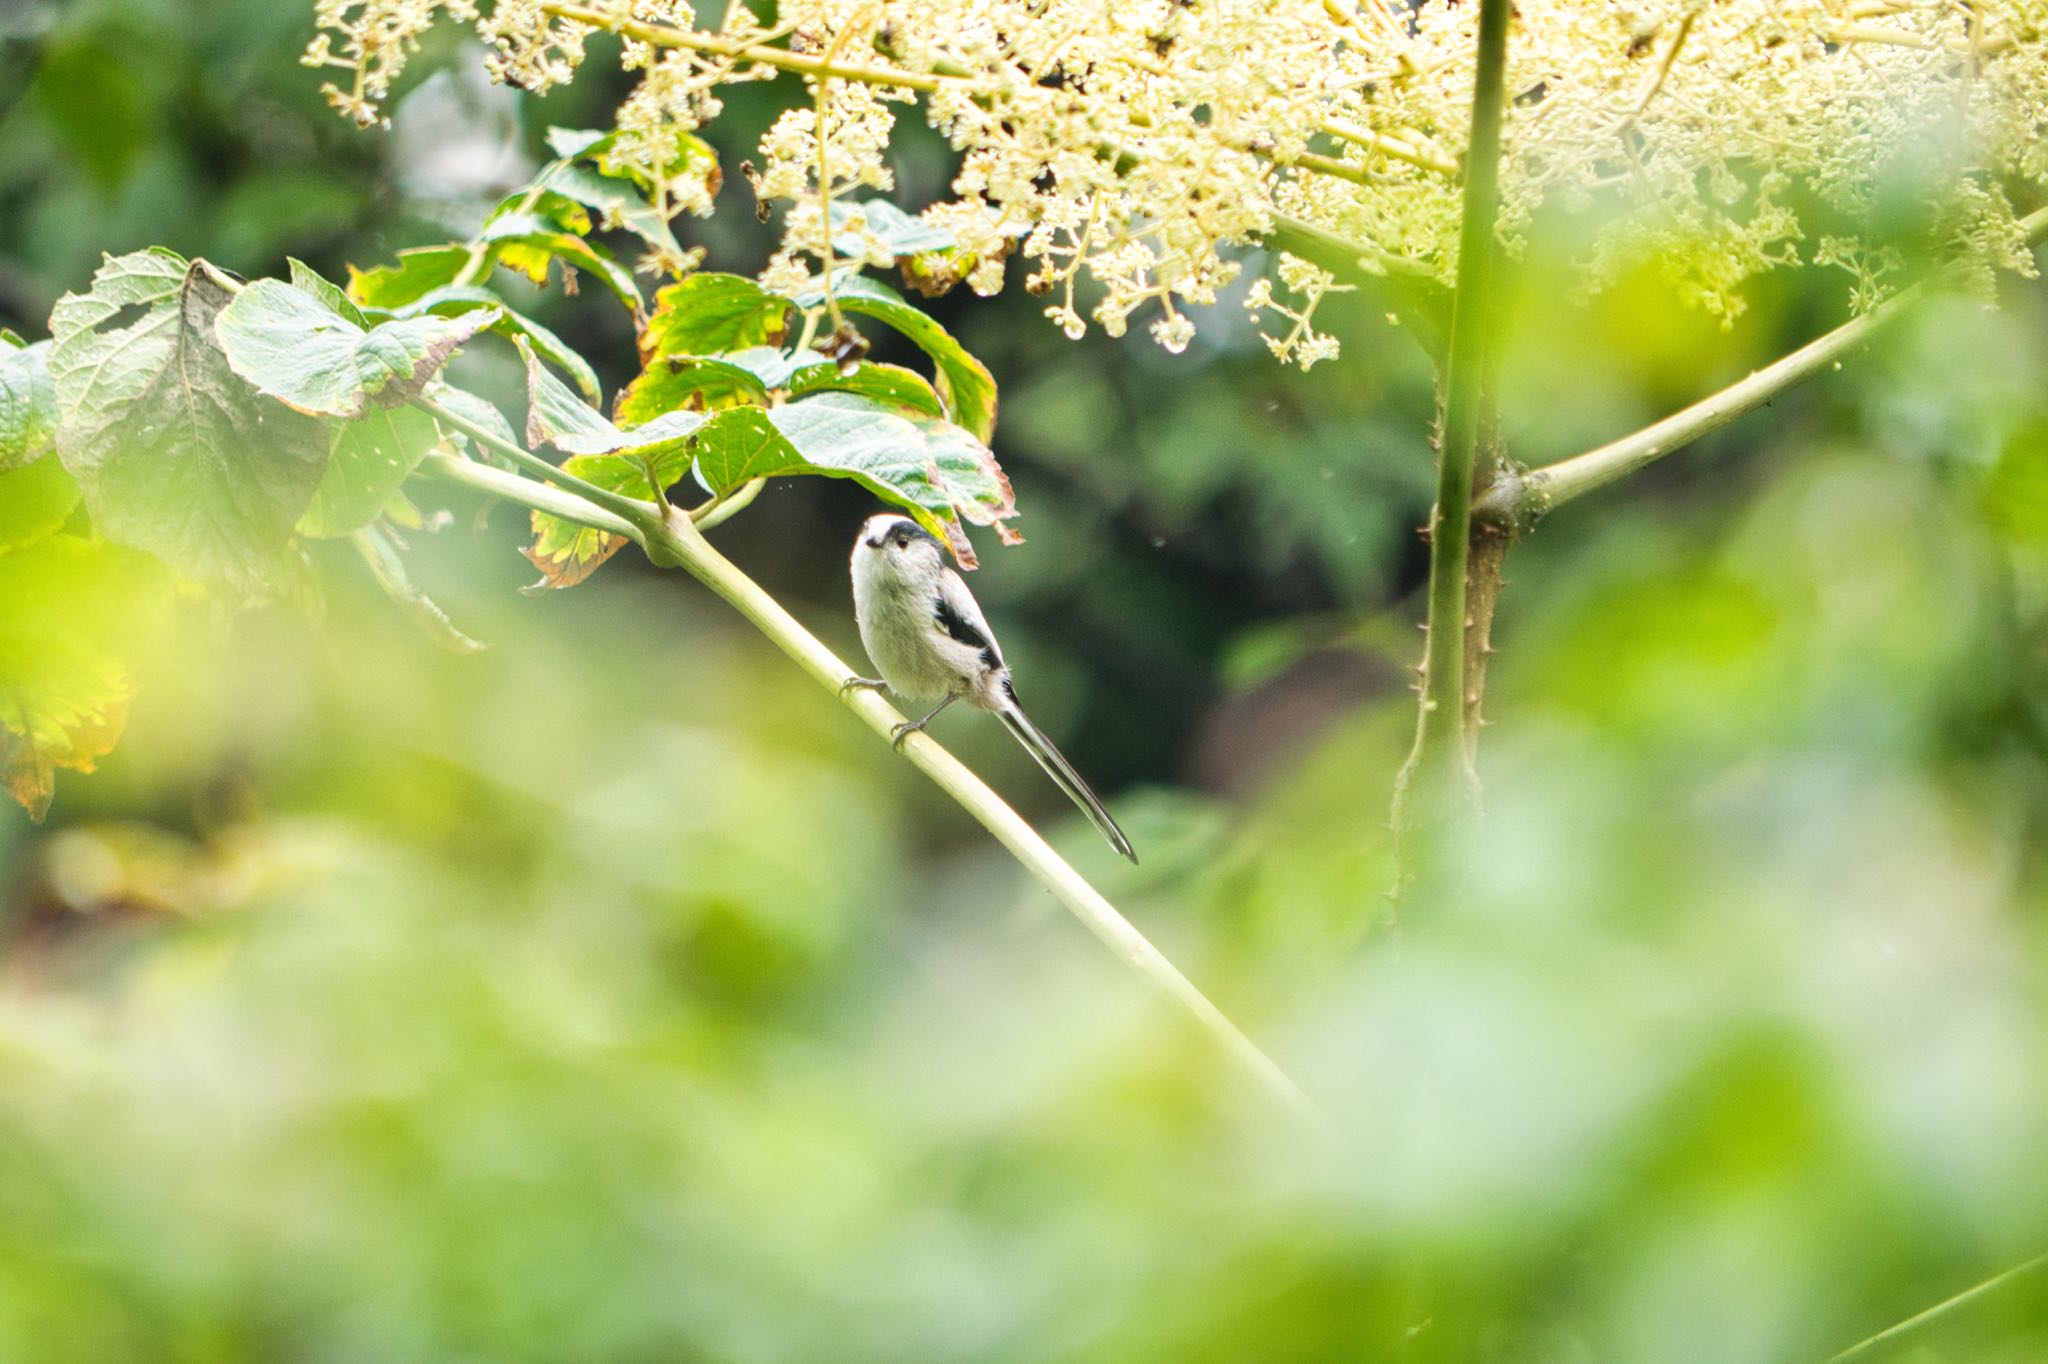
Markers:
point(926, 633)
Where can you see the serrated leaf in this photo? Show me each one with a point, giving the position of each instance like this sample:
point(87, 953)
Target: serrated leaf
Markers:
point(34, 501)
point(964, 383)
point(931, 468)
point(416, 272)
point(28, 404)
point(711, 314)
point(454, 299)
point(70, 610)
point(477, 411)
point(297, 350)
point(371, 457)
point(311, 282)
point(172, 451)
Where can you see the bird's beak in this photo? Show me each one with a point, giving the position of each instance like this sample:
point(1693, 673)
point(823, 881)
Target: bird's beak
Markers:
point(874, 544)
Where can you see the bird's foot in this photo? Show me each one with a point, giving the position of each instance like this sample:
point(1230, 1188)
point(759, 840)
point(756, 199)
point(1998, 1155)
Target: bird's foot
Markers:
point(858, 683)
point(903, 731)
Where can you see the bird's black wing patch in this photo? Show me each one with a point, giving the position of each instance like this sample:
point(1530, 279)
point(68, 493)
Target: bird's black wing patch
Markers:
point(964, 630)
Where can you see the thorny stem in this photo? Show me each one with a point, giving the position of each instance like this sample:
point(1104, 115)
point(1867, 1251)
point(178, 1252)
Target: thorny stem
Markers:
point(677, 541)
point(1437, 783)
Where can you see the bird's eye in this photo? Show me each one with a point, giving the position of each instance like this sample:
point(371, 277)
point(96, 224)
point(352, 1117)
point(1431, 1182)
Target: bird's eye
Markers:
point(902, 539)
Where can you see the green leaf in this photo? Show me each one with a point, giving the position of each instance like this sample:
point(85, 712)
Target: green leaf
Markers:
point(417, 271)
point(889, 384)
point(757, 374)
point(555, 211)
point(34, 501)
point(294, 348)
point(383, 554)
point(965, 384)
point(710, 314)
point(931, 468)
point(71, 610)
point(690, 381)
point(643, 461)
point(28, 404)
point(371, 457)
point(619, 203)
point(526, 242)
point(454, 299)
point(556, 416)
point(309, 281)
point(173, 453)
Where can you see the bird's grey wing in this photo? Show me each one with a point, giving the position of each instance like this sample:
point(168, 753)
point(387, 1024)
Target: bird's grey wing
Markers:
point(959, 615)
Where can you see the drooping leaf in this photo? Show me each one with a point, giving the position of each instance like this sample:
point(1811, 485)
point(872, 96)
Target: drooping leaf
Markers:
point(476, 411)
point(372, 456)
point(34, 501)
point(454, 299)
point(28, 403)
point(172, 451)
point(384, 556)
point(641, 461)
point(931, 468)
point(619, 203)
point(309, 281)
point(527, 242)
point(296, 349)
point(758, 374)
point(416, 272)
point(965, 384)
point(690, 381)
point(892, 385)
point(710, 314)
point(70, 612)
point(557, 416)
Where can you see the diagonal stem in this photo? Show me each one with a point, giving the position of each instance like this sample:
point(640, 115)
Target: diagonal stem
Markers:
point(677, 541)
point(1517, 499)
point(1862, 1349)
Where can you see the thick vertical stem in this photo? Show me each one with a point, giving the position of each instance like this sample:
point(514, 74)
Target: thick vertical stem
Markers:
point(1438, 782)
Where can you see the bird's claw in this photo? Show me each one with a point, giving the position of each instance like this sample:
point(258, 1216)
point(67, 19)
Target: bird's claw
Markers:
point(903, 731)
point(858, 683)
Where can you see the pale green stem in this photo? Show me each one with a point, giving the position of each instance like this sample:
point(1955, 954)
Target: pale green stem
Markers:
point(1862, 1349)
point(678, 541)
point(1517, 499)
point(629, 509)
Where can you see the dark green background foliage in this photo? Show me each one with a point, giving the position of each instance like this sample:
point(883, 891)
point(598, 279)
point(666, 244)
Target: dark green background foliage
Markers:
point(609, 996)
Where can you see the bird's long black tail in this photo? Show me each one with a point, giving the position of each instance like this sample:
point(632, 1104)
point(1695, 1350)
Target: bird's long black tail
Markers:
point(1063, 774)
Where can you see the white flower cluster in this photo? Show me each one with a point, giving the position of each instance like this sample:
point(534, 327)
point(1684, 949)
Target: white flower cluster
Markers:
point(1127, 146)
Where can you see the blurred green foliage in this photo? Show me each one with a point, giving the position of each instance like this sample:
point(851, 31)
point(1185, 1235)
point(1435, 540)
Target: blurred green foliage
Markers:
point(607, 996)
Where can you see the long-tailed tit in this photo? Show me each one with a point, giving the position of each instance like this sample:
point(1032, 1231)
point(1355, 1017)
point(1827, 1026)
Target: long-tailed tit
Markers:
point(924, 630)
